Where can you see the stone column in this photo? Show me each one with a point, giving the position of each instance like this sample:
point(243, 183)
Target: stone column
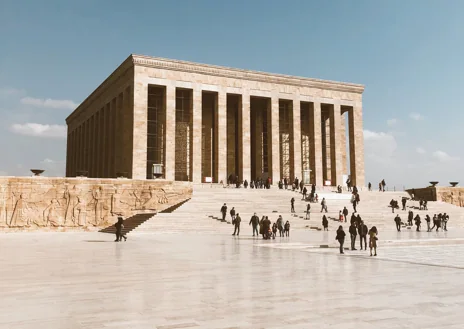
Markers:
point(335, 152)
point(245, 137)
point(356, 146)
point(296, 135)
point(196, 134)
point(343, 144)
point(222, 137)
point(170, 137)
point(316, 144)
point(274, 140)
point(140, 128)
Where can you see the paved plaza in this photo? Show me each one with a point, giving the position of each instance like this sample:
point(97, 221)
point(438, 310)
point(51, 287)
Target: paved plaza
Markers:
point(85, 280)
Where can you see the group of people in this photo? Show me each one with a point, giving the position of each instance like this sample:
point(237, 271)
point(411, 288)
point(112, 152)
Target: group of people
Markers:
point(361, 229)
point(439, 221)
point(262, 227)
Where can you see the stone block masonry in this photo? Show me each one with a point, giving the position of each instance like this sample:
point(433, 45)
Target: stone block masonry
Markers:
point(214, 121)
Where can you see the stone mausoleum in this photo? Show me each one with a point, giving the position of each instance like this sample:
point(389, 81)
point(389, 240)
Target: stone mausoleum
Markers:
point(195, 122)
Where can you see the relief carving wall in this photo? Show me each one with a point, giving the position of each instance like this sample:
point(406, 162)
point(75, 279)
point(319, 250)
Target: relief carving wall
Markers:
point(42, 203)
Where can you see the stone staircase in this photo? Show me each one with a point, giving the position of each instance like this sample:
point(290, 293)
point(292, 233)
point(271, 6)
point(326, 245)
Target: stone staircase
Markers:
point(201, 214)
point(129, 224)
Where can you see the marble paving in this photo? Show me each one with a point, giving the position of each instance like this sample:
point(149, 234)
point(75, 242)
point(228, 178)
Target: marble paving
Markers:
point(85, 280)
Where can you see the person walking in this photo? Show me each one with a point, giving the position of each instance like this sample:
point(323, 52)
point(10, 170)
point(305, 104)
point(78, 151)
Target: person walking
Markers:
point(266, 228)
point(340, 216)
point(398, 223)
point(383, 185)
point(353, 234)
point(345, 212)
point(308, 211)
point(325, 223)
point(353, 202)
point(119, 227)
point(236, 223)
point(362, 231)
point(254, 221)
point(434, 219)
point(369, 187)
point(292, 203)
point(340, 238)
point(373, 239)
point(324, 205)
point(224, 211)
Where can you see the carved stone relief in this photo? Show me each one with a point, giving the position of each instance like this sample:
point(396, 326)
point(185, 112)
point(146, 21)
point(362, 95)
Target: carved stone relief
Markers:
point(31, 203)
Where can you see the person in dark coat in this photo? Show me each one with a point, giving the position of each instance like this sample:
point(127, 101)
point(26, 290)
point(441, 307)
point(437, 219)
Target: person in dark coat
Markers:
point(340, 238)
point(403, 202)
point(119, 226)
point(292, 203)
point(232, 214)
point(266, 227)
point(325, 223)
point(308, 211)
point(358, 220)
point(305, 191)
point(245, 183)
point(353, 219)
point(362, 231)
point(274, 230)
point(353, 234)
point(224, 211)
point(254, 221)
point(417, 221)
point(398, 223)
point(236, 223)
point(261, 226)
point(345, 213)
point(280, 225)
point(410, 218)
point(301, 186)
point(369, 187)
point(287, 228)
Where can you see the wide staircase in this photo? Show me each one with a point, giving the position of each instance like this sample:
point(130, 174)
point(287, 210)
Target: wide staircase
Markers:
point(201, 214)
point(129, 224)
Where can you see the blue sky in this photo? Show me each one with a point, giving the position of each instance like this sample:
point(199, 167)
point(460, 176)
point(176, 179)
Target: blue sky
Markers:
point(407, 53)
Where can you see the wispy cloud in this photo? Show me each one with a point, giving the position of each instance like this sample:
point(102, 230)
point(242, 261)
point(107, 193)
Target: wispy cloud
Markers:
point(39, 130)
point(7, 91)
point(49, 103)
point(420, 150)
point(416, 116)
point(443, 156)
point(392, 122)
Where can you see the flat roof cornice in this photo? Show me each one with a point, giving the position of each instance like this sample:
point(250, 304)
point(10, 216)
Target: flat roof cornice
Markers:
point(177, 65)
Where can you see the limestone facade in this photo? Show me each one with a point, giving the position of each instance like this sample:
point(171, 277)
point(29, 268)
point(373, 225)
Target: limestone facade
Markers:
point(201, 121)
point(43, 203)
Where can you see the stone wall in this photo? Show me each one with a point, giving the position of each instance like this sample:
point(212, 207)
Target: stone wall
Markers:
point(62, 204)
point(453, 195)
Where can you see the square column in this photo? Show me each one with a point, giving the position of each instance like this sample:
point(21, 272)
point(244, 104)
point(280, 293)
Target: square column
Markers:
point(335, 143)
point(170, 133)
point(245, 146)
point(222, 137)
point(296, 135)
point(139, 143)
point(274, 140)
point(316, 144)
point(343, 144)
point(196, 134)
point(356, 146)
